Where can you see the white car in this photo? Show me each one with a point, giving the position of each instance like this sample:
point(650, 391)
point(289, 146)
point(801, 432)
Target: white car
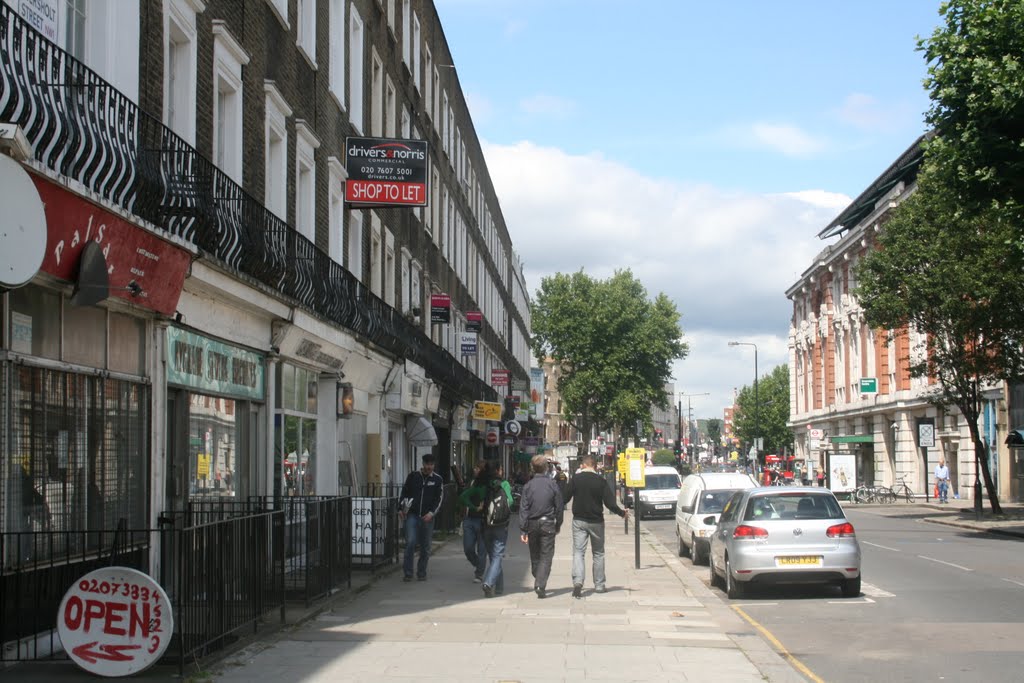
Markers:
point(704, 496)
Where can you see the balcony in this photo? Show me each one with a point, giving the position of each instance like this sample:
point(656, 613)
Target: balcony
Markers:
point(82, 128)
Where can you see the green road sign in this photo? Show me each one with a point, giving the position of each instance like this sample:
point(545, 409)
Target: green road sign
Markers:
point(869, 385)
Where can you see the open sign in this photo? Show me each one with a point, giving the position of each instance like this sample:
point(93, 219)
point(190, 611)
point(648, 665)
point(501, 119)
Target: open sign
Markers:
point(115, 621)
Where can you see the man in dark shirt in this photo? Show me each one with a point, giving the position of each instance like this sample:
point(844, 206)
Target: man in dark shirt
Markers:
point(589, 493)
point(540, 518)
point(422, 494)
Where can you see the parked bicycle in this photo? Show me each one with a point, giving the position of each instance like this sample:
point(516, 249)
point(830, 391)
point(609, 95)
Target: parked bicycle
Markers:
point(901, 490)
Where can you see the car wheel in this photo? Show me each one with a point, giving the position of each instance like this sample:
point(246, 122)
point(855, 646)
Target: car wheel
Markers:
point(696, 555)
point(733, 588)
point(711, 571)
point(851, 588)
point(683, 550)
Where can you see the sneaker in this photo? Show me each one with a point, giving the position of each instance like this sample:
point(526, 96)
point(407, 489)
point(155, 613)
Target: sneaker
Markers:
point(541, 593)
point(488, 591)
point(577, 590)
point(478, 579)
point(601, 589)
point(407, 578)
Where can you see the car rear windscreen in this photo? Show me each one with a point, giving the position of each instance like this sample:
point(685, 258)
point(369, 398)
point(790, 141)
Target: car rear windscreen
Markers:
point(793, 506)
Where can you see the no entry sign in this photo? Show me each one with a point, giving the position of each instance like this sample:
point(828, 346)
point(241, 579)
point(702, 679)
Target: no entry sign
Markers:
point(115, 621)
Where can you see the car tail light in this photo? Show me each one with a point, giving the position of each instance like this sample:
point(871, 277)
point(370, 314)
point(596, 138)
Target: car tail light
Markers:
point(844, 530)
point(751, 532)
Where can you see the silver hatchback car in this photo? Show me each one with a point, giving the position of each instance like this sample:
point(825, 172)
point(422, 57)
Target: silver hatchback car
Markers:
point(776, 535)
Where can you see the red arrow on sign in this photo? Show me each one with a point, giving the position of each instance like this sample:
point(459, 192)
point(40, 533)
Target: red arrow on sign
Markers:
point(111, 652)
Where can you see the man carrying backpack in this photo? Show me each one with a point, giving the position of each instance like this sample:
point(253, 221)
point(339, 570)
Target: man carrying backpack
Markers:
point(496, 509)
point(421, 499)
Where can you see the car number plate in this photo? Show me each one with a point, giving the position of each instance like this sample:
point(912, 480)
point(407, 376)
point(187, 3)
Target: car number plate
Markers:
point(662, 507)
point(801, 560)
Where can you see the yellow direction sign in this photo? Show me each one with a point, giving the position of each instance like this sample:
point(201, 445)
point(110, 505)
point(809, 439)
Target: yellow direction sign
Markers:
point(635, 471)
point(203, 467)
point(484, 410)
point(623, 464)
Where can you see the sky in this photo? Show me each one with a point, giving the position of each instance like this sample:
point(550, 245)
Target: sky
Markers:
point(701, 145)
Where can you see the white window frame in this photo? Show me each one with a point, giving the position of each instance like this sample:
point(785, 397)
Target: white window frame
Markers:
point(376, 254)
point(336, 67)
point(280, 8)
point(406, 32)
point(415, 49)
point(428, 84)
point(337, 176)
point(389, 268)
point(305, 30)
point(228, 59)
point(405, 263)
point(356, 220)
point(275, 140)
point(416, 291)
point(181, 38)
point(376, 94)
point(390, 104)
point(356, 67)
point(306, 144)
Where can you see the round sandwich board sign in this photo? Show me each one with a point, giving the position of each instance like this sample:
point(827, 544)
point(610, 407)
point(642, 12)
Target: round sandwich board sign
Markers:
point(115, 621)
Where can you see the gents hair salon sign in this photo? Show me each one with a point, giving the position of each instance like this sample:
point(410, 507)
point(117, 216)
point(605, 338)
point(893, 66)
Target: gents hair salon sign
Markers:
point(386, 172)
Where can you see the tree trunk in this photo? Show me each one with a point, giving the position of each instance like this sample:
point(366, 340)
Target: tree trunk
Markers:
point(981, 463)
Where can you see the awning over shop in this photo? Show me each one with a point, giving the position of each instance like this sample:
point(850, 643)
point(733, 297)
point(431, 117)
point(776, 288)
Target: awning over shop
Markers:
point(1016, 437)
point(419, 431)
point(853, 438)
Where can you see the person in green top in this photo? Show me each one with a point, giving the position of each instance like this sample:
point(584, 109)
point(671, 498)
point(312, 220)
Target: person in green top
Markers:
point(495, 536)
point(473, 524)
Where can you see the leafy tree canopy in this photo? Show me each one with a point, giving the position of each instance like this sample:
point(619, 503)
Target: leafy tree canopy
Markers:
point(976, 85)
point(614, 345)
point(714, 429)
point(765, 412)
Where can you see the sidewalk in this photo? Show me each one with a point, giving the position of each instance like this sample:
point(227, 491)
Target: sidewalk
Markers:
point(658, 622)
point(960, 513)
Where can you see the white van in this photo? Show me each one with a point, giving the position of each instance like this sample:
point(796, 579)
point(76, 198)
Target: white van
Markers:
point(661, 489)
point(702, 496)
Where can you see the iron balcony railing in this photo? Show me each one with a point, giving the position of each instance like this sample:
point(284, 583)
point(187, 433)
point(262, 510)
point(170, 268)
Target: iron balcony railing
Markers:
point(86, 130)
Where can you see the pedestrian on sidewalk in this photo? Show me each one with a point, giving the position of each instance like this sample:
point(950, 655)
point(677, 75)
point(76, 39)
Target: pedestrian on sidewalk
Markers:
point(541, 512)
point(942, 480)
point(473, 545)
point(589, 491)
point(421, 499)
point(495, 533)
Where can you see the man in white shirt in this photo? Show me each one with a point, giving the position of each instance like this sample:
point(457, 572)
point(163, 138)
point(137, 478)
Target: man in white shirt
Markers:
point(942, 480)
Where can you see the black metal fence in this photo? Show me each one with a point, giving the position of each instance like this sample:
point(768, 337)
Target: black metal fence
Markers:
point(229, 567)
point(85, 129)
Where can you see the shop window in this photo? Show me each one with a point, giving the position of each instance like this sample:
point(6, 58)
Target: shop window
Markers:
point(213, 446)
point(78, 461)
point(127, 344)
point(35, 322)
point(295, 430)
point(85, 335)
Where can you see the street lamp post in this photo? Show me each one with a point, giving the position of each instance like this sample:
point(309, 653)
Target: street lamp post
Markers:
point(757, 400)
point(689, 411)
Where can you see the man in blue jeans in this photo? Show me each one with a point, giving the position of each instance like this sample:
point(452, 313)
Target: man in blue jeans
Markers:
point(942, 480)
point(421, 499)
point(589, 493)
point(473, 524)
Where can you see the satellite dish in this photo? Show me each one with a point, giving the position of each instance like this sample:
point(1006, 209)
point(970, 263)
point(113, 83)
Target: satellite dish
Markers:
point(22, 226)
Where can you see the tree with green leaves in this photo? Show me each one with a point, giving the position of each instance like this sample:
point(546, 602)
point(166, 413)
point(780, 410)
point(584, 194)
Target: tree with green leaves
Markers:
point(956, 280)
point(714, 429)
point(976, 85)
point(766, 413)
point(615, 347)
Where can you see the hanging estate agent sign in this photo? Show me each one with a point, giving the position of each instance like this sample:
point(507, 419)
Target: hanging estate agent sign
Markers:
point(208, 365)
point(474, 321)
point(386, 171)
point(440, 308)
point(115, 621)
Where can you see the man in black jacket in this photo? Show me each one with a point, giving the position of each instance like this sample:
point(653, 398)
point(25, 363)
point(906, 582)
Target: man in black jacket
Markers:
point(421, 499)
point(540, 518)
point(589, 493)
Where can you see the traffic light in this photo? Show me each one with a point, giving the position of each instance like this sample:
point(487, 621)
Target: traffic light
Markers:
point(677, 448)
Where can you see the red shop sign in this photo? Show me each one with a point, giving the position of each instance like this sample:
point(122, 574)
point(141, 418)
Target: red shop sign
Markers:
point(133, 254)
point(115, 621)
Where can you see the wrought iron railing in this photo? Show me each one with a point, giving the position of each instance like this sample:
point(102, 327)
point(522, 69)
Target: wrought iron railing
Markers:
point(83, 128)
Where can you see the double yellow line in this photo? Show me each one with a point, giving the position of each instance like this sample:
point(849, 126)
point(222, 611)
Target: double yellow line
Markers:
point(787, 655)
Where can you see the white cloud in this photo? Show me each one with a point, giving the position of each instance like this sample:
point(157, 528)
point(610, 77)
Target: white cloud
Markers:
point(867, 113)
point(548, 105)
point(726, 258)
point(790, 140)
